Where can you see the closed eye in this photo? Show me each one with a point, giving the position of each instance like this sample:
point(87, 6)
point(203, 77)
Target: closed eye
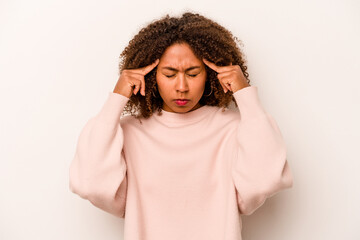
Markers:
point(191, 75)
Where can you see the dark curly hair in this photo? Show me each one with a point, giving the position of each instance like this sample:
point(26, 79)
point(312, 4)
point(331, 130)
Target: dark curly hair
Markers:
point(206, 38)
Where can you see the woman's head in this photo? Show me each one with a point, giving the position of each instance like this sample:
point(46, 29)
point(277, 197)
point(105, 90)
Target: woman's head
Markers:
point(181, 43)
point(180, 75)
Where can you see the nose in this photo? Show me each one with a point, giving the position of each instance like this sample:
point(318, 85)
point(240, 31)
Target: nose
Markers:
point(181, 83)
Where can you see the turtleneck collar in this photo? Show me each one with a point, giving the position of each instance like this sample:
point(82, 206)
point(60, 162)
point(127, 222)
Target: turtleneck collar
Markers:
point(173, 119)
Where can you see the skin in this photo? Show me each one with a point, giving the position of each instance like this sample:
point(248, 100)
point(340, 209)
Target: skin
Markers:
point(133, 80)
point(186, 78)
point(230, 77)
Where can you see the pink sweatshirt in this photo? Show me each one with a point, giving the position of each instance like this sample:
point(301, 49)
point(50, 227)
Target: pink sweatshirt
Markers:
point(185, 176)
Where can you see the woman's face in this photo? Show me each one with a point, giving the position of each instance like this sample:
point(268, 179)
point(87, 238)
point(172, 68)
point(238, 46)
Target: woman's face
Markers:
point(180, 75)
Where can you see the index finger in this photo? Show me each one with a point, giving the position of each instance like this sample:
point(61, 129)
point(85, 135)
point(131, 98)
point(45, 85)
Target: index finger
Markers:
point(216, 68)
point(145, 70)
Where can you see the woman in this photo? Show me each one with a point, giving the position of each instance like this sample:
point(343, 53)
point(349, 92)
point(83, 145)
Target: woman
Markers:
point(181, 165)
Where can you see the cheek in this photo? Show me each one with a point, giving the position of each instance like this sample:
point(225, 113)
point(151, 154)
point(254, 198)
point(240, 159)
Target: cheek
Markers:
point(201, 88)
point(159, 81)
point(201, 83)
point(162, 85)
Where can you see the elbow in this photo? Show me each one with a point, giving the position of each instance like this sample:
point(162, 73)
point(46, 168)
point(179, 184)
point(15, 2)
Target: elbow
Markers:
point(287, 179)
point(75, 188)
point(283, 178)
point(80, 181)
point(72, 183)
point(282, 182)
point(250, 207)
point(254, 199)
point(75, 184)
point(83, 191)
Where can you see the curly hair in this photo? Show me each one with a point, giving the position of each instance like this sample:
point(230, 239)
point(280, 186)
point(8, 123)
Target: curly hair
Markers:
point(206, 38)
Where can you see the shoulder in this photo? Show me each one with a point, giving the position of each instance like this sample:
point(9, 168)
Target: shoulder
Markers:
point(227, 114)
point(128, 120)
point(225, 117)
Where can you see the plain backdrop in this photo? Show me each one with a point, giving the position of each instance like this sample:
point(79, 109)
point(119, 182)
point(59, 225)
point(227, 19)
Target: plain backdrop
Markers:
point(59, 60)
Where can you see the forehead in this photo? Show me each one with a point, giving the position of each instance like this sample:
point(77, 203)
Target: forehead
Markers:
point(179, 55)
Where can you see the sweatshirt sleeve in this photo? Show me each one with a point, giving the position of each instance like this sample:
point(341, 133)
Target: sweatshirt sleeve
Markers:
point(98, 170)
point(260, 168)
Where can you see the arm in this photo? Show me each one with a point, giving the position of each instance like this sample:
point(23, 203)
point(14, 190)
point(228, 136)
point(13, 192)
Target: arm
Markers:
point(260, 168)
point(98, 171)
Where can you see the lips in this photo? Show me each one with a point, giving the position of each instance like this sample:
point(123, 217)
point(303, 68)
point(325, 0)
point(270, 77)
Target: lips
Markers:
point(181, 102)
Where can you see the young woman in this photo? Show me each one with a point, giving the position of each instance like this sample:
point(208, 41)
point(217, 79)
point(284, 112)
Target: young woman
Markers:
point(182, 164)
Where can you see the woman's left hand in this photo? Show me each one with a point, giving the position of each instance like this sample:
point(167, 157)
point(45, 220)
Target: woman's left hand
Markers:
point(230, 77)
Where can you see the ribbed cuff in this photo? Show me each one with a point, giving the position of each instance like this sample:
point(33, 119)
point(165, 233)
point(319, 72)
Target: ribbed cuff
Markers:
point(248, 102)
point(113, 107)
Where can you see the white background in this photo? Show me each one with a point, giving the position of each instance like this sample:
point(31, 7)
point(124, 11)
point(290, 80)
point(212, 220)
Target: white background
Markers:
point(59, 60)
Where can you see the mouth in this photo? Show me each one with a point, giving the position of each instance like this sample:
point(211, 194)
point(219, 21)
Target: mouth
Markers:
point(181, 102)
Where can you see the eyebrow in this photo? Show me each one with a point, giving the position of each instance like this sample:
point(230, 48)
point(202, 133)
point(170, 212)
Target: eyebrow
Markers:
point(174, 69)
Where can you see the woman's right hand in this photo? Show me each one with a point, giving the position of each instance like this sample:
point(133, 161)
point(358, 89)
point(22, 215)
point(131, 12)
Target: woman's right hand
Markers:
point(133, 77)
